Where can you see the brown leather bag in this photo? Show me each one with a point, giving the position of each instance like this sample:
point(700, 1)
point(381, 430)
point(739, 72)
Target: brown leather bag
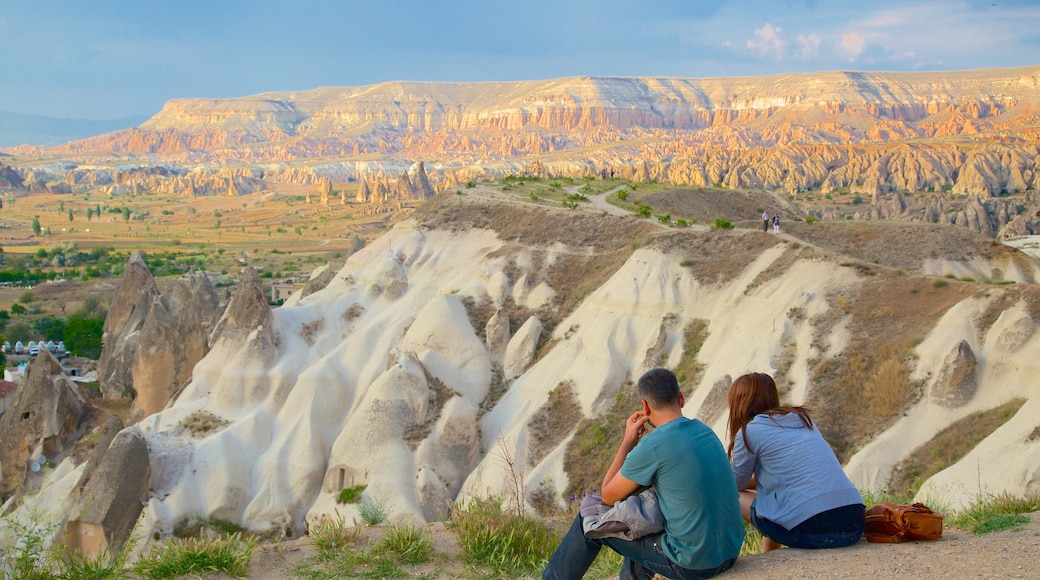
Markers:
point(891, 523)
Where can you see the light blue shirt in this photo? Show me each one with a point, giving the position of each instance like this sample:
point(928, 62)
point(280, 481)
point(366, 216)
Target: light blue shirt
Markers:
point(685, 462)
point(796, 473)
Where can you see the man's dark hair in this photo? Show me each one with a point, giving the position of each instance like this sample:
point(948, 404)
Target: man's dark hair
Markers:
point(659, 388)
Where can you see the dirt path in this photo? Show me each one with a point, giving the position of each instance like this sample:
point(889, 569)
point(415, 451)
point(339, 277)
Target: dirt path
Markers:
point(599, 201)
point(1008, 554)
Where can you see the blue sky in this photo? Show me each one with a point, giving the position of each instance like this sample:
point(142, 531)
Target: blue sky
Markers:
point(106, 59)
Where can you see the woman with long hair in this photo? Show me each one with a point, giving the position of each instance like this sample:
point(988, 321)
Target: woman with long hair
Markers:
point(792, 488)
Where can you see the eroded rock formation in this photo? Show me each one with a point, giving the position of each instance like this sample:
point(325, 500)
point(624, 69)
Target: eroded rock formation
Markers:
point(956, 384)
point(48, 416)
point(888, 137)
point(152, 342)
point(112, 498)
point(247, 324)
point(130, 306)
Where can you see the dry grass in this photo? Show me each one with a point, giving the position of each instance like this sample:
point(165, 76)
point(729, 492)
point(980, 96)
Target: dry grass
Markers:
point(741, 207)
point(715, 257)
point(948, 447)
point(903, 245)
point(352, 313)
point(574, 277)
point(202, 422)
point(779, 267)
point(861, 391)
point(689, 370)
point(551, 423)
point(439, 395)
point(536, 227)
point(310, 330)
point(1006, 298)
point(479, 312)
point(596, 441)
point(498, 387)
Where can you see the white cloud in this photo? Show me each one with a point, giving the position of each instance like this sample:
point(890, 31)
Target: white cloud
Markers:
point(767, 42)
point(852, 45)
point(808, 46)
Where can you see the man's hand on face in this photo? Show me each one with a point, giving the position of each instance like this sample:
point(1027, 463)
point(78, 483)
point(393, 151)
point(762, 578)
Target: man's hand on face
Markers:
point(635, 427)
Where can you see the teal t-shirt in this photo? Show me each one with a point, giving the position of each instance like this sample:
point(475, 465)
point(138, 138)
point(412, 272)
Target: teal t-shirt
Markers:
point(686, 464)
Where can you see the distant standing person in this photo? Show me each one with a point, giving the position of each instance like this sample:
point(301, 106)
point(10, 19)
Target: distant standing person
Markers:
point(776, 224)
point(765, 221)
point(792, 488)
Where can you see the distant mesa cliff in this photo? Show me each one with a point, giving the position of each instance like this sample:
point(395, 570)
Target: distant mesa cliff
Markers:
point(964, 133)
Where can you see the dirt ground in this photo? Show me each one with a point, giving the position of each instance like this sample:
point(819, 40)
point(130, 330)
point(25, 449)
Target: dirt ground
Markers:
point(1007, 554)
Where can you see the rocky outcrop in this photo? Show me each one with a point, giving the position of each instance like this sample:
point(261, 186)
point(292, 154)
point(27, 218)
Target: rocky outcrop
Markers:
point(247, 324)
point(112, 426)
point(133, 300)
point(496, 333)
point(956, 384)
point(48, 416)
point(421, 182)
point(322, 275)
point(715, 401)
point(521, 348)
point(9, 178)
point(113, 497)
point(152, 342)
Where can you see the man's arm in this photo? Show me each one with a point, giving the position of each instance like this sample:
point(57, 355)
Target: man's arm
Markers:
point(617, 487)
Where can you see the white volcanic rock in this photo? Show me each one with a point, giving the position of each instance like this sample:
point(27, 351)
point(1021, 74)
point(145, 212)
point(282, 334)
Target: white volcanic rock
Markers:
point(393, 390)
point(446, 345)
point(496, 333)
point(520, 350)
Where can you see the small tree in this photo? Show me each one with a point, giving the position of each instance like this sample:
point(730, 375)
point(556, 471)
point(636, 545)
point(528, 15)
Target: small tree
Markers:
point(70, 214)
point(36, 225)
point(83, 335)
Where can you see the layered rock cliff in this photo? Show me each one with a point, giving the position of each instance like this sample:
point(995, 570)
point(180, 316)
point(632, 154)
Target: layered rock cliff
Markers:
point(807, 135)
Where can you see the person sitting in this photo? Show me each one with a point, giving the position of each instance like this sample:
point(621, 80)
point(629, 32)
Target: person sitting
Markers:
point(792, 487)
point(686, 464)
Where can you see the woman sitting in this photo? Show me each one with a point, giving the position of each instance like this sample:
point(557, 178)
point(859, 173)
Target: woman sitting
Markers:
point(792, 488)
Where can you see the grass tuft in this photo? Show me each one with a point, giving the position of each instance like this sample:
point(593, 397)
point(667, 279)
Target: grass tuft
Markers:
point(996, 512)
point(194, 557)
point(331, 537)
point(351, 494)
point(505, 543)
point(409, 544)
point(372, 511)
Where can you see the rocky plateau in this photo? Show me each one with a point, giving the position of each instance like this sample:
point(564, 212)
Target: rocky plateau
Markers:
point(958, 147)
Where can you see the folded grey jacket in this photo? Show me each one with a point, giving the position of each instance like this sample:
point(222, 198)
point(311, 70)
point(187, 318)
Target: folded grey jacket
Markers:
point(631, 518)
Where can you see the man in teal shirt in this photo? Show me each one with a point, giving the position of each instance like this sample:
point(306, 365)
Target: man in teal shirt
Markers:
point(685, 463)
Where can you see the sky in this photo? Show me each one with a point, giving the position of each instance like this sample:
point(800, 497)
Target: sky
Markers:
point(111, 59)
